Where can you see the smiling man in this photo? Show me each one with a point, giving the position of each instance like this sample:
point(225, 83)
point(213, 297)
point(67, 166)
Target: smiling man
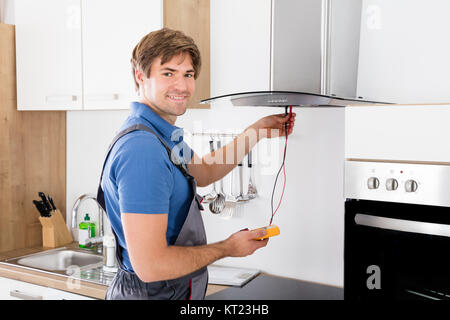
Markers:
point(170, 86)
point(148, 184)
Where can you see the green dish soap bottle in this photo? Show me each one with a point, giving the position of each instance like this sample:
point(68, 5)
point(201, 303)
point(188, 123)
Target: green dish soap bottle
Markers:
point(86, 231)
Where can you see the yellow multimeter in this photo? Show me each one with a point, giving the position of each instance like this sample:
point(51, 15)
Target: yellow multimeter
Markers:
point(271, 231)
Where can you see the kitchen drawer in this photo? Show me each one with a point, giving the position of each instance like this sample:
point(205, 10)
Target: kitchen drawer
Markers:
point(55, 294)
point(18, 290)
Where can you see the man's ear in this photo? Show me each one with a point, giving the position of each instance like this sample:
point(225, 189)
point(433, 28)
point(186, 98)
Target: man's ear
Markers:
point(139, 76)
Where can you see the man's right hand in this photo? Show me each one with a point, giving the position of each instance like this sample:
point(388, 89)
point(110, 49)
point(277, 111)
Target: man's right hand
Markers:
point(154, 260)
point(243, 243)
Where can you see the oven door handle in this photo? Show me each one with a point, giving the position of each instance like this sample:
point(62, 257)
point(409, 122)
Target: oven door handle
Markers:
point(435, 229)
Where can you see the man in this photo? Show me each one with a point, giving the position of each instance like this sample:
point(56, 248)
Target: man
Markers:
point(149, 189)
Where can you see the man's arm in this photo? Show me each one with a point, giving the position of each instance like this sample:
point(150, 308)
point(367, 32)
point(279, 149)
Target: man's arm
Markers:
point(215, 165)
point(153, 260)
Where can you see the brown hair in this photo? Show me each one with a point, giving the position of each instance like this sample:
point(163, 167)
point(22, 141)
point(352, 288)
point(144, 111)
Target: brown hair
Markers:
point(165, 43)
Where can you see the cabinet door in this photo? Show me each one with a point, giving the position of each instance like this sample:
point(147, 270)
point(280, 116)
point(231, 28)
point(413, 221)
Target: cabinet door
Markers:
point(403, 54)
point(240, 46)
point(48, 54)
point(111, 29)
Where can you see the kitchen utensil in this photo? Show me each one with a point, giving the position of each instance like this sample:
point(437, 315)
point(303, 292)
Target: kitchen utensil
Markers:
point(213, 194)
point(47, 205)
point(251, 192)
point(39, 206)
point(50, 199)
point(241, 181)
point(218, 204)
point(230, 199)
point(241, 198)
point(229, 207)
point(42, 208)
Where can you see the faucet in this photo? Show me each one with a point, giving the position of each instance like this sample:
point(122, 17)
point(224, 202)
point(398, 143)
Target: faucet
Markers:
point(81, 199)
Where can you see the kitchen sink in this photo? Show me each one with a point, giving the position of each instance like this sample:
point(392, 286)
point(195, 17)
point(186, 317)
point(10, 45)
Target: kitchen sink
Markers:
point(61, 260)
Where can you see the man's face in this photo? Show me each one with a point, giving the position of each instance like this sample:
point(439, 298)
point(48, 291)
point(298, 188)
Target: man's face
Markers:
point(170, 86)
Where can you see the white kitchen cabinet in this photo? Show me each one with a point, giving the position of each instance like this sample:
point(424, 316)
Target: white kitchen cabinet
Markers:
point(111, 29)
point(48, 54)
point(55, 294)
point(403, 52)
point(75, 54)
point(408, 133)
point(11, 289)
point(18, 290)
point(240, 46)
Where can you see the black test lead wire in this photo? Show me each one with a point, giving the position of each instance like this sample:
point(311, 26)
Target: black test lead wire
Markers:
point(286, 127)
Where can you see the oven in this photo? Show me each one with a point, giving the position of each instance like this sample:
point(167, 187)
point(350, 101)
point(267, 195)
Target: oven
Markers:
point(397, 231)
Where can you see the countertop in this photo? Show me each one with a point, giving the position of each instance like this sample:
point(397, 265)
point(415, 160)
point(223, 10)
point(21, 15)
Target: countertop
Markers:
point(257, 289)
point(269, 287)
point(46, 279)
point(86, 288)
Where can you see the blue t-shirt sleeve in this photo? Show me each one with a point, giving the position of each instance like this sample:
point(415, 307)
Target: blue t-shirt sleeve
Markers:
point(143, 175)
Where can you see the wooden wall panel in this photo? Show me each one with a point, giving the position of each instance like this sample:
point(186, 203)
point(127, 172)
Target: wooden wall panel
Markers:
point(32, 157)
point(192, 17)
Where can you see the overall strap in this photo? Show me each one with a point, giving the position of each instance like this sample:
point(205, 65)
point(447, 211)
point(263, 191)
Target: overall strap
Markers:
point(172, 157)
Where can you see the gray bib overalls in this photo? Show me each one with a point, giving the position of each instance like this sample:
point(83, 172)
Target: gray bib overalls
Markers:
point(127, 285)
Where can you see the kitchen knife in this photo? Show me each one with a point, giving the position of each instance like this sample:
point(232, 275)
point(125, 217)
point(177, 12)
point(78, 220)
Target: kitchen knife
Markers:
point(47, 205)
point(38, 207)
point(44, 209)
point(41, 208)
point(50, 199)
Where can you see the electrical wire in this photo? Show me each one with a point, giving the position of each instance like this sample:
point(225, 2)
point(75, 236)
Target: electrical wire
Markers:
point(283, 167)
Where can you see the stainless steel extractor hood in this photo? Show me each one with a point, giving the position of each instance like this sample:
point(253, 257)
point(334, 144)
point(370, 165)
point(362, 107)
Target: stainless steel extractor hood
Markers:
point(301, 49)
point(283, 99)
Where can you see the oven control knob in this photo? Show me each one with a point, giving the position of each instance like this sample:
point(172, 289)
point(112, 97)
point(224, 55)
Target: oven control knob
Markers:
point(373, 183)
point(411, 186)
point(391, 184)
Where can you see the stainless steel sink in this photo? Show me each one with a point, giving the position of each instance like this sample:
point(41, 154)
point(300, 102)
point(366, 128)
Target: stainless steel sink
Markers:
point(61, 260)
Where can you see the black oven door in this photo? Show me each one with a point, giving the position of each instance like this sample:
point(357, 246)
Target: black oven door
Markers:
point(396, 251)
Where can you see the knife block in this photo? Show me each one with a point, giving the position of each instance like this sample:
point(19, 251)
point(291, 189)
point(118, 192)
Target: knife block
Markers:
point(54, 231)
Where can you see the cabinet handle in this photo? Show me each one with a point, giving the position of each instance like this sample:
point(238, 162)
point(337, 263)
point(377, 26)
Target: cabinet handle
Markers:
point(102, 97)
point(24, 296)
point(61, 98)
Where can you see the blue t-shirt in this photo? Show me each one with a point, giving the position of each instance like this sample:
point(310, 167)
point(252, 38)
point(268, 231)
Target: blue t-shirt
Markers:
point(140, 178)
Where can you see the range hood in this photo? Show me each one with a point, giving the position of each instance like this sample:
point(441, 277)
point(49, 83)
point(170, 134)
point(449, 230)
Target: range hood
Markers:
point(295, 59)
point(285, 98)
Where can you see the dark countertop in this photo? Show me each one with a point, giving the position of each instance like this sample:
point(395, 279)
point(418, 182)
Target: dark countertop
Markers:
point(266, 287)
